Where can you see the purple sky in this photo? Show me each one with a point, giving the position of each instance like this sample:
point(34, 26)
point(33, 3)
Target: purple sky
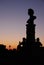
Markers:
point(13, 17)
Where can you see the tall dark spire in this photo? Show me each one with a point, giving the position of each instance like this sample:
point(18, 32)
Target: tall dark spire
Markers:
point(30, 27)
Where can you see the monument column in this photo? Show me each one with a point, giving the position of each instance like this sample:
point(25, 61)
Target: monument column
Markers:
point(30, 27)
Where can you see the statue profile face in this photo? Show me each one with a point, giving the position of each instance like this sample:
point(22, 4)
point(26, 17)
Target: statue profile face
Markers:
point(30, 12)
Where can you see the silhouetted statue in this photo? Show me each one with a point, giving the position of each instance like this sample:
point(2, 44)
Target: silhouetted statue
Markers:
point(30, 28)
point(31, 13)
point(38, 43)
point(22, 45)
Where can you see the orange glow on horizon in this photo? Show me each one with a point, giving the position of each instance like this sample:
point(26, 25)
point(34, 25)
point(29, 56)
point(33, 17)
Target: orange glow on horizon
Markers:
point(13, 44)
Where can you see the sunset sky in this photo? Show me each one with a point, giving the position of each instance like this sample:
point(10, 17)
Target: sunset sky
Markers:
point(13, 17)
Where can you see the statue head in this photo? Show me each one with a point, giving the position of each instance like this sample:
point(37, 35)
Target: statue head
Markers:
point(38, 39)
point(30, 12)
